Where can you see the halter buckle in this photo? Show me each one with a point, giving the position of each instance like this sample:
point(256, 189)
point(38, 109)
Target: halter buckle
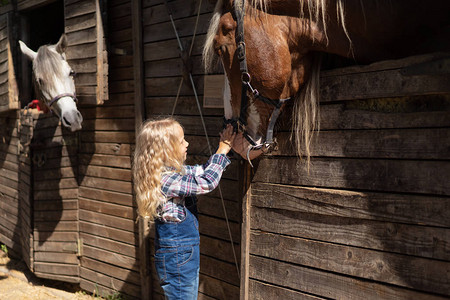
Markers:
point(241, 51)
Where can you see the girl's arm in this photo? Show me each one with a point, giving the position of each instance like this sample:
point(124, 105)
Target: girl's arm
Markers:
point(177, 185)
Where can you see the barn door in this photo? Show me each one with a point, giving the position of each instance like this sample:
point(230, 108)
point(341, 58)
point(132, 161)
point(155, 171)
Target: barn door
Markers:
point(54, 152)
point(9, 98)
point(87, 53)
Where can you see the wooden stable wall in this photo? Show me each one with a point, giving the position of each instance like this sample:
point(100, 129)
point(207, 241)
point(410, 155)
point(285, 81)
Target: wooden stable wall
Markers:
point(108, 232)
point(163, 73)
point(9, 181)
point(371, 219)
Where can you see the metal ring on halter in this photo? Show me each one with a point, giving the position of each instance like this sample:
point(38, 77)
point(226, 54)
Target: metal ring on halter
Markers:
point(246, 78)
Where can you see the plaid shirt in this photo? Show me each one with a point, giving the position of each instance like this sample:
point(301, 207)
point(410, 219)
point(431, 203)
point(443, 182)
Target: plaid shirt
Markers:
point(196, 180)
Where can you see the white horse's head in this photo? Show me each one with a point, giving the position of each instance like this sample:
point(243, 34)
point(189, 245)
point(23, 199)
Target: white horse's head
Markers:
point(54, 81)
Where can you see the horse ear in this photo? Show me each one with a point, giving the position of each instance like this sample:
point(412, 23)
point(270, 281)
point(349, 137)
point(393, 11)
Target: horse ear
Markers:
point(27, 51)
point(62, 44)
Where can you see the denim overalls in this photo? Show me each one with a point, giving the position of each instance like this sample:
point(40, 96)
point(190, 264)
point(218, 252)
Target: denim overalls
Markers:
point(177, 256)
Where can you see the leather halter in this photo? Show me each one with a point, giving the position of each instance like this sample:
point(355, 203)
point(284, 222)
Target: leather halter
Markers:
point(241, 122)
point(55, 99)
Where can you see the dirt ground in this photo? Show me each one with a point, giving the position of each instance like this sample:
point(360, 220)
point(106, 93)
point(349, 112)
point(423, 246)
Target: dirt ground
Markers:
point(18, 283)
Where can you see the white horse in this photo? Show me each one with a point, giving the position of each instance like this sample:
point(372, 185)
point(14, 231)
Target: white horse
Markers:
point(53, 79)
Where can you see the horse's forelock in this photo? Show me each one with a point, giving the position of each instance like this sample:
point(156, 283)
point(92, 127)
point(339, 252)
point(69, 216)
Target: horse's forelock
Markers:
point(209, 56)
point(47, 64)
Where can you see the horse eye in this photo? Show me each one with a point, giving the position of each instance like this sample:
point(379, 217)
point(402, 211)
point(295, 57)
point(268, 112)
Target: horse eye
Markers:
point(40, 81)
point(72, 73)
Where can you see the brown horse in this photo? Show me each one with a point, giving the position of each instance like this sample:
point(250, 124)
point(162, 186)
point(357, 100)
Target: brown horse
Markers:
point(284, 37)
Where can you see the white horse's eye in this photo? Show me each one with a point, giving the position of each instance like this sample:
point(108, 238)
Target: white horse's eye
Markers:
point(72, 73)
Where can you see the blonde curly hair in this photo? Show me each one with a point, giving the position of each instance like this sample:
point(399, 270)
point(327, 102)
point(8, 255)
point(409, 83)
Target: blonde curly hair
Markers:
point(156, 152)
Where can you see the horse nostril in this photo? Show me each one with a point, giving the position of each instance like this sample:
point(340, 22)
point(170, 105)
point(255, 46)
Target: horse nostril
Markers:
point(66, 122)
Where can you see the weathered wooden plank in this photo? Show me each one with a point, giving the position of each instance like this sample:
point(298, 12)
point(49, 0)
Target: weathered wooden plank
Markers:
point(94, 278)
point(108, 244)
point(56, 174)
point(121, 74)
point(102, 195)
point(112, 258)
point(65, 204)
point(219, 249)
point(421, 143)
point(326, 284)
point(54, 195)
point(217, 228)
point(107, 232)
point(109, 124)
point(428, 177)
point(81, 52)
point(217, 289)
point(386, 113)
point(382, 83)
point(85, 36)
point(185, 27)
point(55, 236)
point(123, 112)
point(430, 242)
point(58, 215)
point(107, 184)
point(109, 137)
point(170, 49)
point(65, 247)
point(401, 270)
point(172, 67)
point(58, 269)
point(260, 291)
point(64, 183)
point(119, 11)
point(111, 270)
point(121, 36)
point(80, 23)
point(184, 105)
point(105, 172)
point(168, 86)
point(179, 9)
point(213, 207)
point(222, 271)
point(79, 8)
point(60, 225)
point(55, 257)
point(58, 277)
point(106, 148)
point(410, 209)
point(107, 208)
point(84, 65)
point(106, 220)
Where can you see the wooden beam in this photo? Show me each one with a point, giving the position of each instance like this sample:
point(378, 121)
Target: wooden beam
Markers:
point(245, 234)
point(138, 64)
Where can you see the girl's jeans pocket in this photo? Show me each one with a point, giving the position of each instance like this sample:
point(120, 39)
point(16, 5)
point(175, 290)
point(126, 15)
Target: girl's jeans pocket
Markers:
point(178, 271)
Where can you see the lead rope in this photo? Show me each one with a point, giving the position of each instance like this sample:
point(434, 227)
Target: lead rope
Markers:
point(203, 121)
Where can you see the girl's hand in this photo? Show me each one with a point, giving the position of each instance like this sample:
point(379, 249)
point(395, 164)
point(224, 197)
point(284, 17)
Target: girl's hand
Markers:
point(227, 137)
point(241, 146)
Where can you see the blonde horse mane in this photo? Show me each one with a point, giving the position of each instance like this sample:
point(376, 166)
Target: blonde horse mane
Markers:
point(306, 109)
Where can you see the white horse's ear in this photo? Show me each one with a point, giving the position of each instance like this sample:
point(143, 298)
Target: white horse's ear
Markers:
point(62, 44)
point(27, 51)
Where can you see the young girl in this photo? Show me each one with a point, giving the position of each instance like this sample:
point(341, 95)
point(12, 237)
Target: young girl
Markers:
point(166, 192)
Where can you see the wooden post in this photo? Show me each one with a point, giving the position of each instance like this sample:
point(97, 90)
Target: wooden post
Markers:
point(138, 63)
point(144, 258)
point(245, 230)
point(139, 108)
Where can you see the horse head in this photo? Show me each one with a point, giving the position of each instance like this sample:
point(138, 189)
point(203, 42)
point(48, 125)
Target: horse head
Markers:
point(279, 63)
point(283, 41)
point(53, 78)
